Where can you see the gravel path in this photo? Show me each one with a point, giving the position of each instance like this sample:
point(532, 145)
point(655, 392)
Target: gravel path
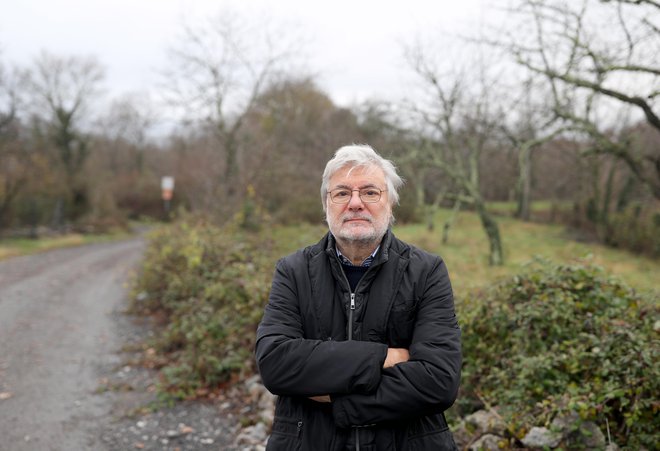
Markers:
point(66, 381)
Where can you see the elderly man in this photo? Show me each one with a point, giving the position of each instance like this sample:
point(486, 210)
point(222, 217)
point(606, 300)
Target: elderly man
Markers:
point(359, 338)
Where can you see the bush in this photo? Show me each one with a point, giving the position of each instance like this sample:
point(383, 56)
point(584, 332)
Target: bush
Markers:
point(209, 285)
point(562, 339)
point(636, 230)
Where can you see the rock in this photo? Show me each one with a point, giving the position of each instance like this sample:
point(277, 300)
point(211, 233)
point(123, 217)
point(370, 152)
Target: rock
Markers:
point(538, 437)
point(579, 433)
point(485, 421)
point(267, 407)
point(267, 416)
point(461, 435)
point(185, 429)
point(488, 442)
point(612, 447)
point(253, 435)
point(267, 400)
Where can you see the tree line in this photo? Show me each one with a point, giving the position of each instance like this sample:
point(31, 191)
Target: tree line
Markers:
point(560, 104)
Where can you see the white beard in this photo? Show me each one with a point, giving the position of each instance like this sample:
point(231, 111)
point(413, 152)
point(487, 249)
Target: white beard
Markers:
point(360, 234)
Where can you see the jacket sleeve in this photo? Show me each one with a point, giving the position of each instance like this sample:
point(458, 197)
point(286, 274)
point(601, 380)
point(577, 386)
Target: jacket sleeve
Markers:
point(291, 364)
point(428, 382)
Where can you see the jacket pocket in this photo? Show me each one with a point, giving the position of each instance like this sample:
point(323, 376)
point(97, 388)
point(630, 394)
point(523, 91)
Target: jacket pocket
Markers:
point(401, 324)
point(286, 435)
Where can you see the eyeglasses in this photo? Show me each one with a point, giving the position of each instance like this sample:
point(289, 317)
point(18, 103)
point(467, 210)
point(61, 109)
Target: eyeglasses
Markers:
point(367, 195)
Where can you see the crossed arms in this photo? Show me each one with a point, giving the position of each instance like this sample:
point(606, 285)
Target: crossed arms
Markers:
point(367, 381)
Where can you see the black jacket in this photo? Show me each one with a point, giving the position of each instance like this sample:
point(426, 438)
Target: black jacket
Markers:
point(403, 300)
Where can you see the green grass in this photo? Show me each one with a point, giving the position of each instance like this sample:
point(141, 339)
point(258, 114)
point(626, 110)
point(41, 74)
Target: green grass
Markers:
point(466, 252)
point(537, 205)
point(14, 247)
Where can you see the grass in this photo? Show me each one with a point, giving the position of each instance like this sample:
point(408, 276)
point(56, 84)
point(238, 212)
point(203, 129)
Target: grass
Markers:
point(466, 252)
point(14, 247)
point(536, 207)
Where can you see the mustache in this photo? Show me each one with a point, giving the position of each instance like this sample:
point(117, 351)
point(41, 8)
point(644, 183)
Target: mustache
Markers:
point(352, 217)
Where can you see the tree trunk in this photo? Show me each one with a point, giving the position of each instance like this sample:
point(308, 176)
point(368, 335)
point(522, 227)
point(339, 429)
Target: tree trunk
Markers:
point(450, 221)
point(524, 184)
point(607, 197)
point(496, 257)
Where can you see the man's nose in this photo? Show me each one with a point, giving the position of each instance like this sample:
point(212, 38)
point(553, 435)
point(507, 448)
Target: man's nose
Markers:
point(355, 202)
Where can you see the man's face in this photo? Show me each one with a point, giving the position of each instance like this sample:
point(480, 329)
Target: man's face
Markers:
point(358, 221)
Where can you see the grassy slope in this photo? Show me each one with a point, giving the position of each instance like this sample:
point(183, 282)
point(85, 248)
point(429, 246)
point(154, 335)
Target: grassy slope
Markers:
point(466, 253)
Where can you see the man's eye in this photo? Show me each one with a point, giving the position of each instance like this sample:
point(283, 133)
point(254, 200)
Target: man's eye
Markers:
point(343, 193)
point(370, 192)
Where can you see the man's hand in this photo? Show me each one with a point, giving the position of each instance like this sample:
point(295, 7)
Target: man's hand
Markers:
point(394, 356)
point(322, 398)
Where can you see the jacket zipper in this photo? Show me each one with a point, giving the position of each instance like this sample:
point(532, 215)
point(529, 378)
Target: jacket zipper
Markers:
point(350, 337)
point(350, 317)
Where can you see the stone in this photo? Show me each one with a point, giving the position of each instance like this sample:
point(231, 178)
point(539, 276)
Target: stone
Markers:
point(579, 433)
point(267, 400)
point(267, 416)
point(253, 435)
point(539, 437)
point(461, 435)
point(488, 442)
point(485, 421)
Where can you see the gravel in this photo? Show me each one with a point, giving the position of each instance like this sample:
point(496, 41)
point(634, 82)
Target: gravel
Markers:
point(141, 421)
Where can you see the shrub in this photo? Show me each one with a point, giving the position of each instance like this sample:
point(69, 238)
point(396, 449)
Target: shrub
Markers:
point(635, 230)
point(209, 285)
point(561, 339)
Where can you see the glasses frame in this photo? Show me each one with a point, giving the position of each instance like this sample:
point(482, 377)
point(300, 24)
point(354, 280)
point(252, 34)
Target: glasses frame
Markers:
point(348, 199)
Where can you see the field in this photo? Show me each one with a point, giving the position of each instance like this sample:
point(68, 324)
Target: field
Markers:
point(466, 252)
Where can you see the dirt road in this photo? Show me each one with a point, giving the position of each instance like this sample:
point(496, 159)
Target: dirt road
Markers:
point(56, 334)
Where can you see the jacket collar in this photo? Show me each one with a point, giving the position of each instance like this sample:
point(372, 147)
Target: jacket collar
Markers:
point(330, 244)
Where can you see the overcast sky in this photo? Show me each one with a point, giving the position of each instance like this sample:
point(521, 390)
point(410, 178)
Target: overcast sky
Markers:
point(355, 46)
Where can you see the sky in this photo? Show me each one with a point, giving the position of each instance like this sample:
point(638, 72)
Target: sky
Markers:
point(355, 47)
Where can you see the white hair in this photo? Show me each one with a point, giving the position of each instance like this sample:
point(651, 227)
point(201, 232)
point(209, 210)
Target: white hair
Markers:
point(361, 155)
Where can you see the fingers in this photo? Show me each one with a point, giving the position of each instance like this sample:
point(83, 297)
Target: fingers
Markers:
point(396, 356)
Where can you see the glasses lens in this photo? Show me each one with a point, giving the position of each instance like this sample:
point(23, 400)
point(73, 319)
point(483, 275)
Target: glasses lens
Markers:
point(370, 195)
point(340, 196)
point(343, 196)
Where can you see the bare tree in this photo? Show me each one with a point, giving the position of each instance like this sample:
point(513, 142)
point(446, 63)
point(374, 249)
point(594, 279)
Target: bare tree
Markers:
point(61, 89)
point(533, 124)
point(219, 69)
point(292, 129)
point(460, 120)
point(598, 57)
point(126, 126)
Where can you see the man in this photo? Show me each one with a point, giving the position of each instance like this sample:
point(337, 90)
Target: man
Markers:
point(359, 338)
